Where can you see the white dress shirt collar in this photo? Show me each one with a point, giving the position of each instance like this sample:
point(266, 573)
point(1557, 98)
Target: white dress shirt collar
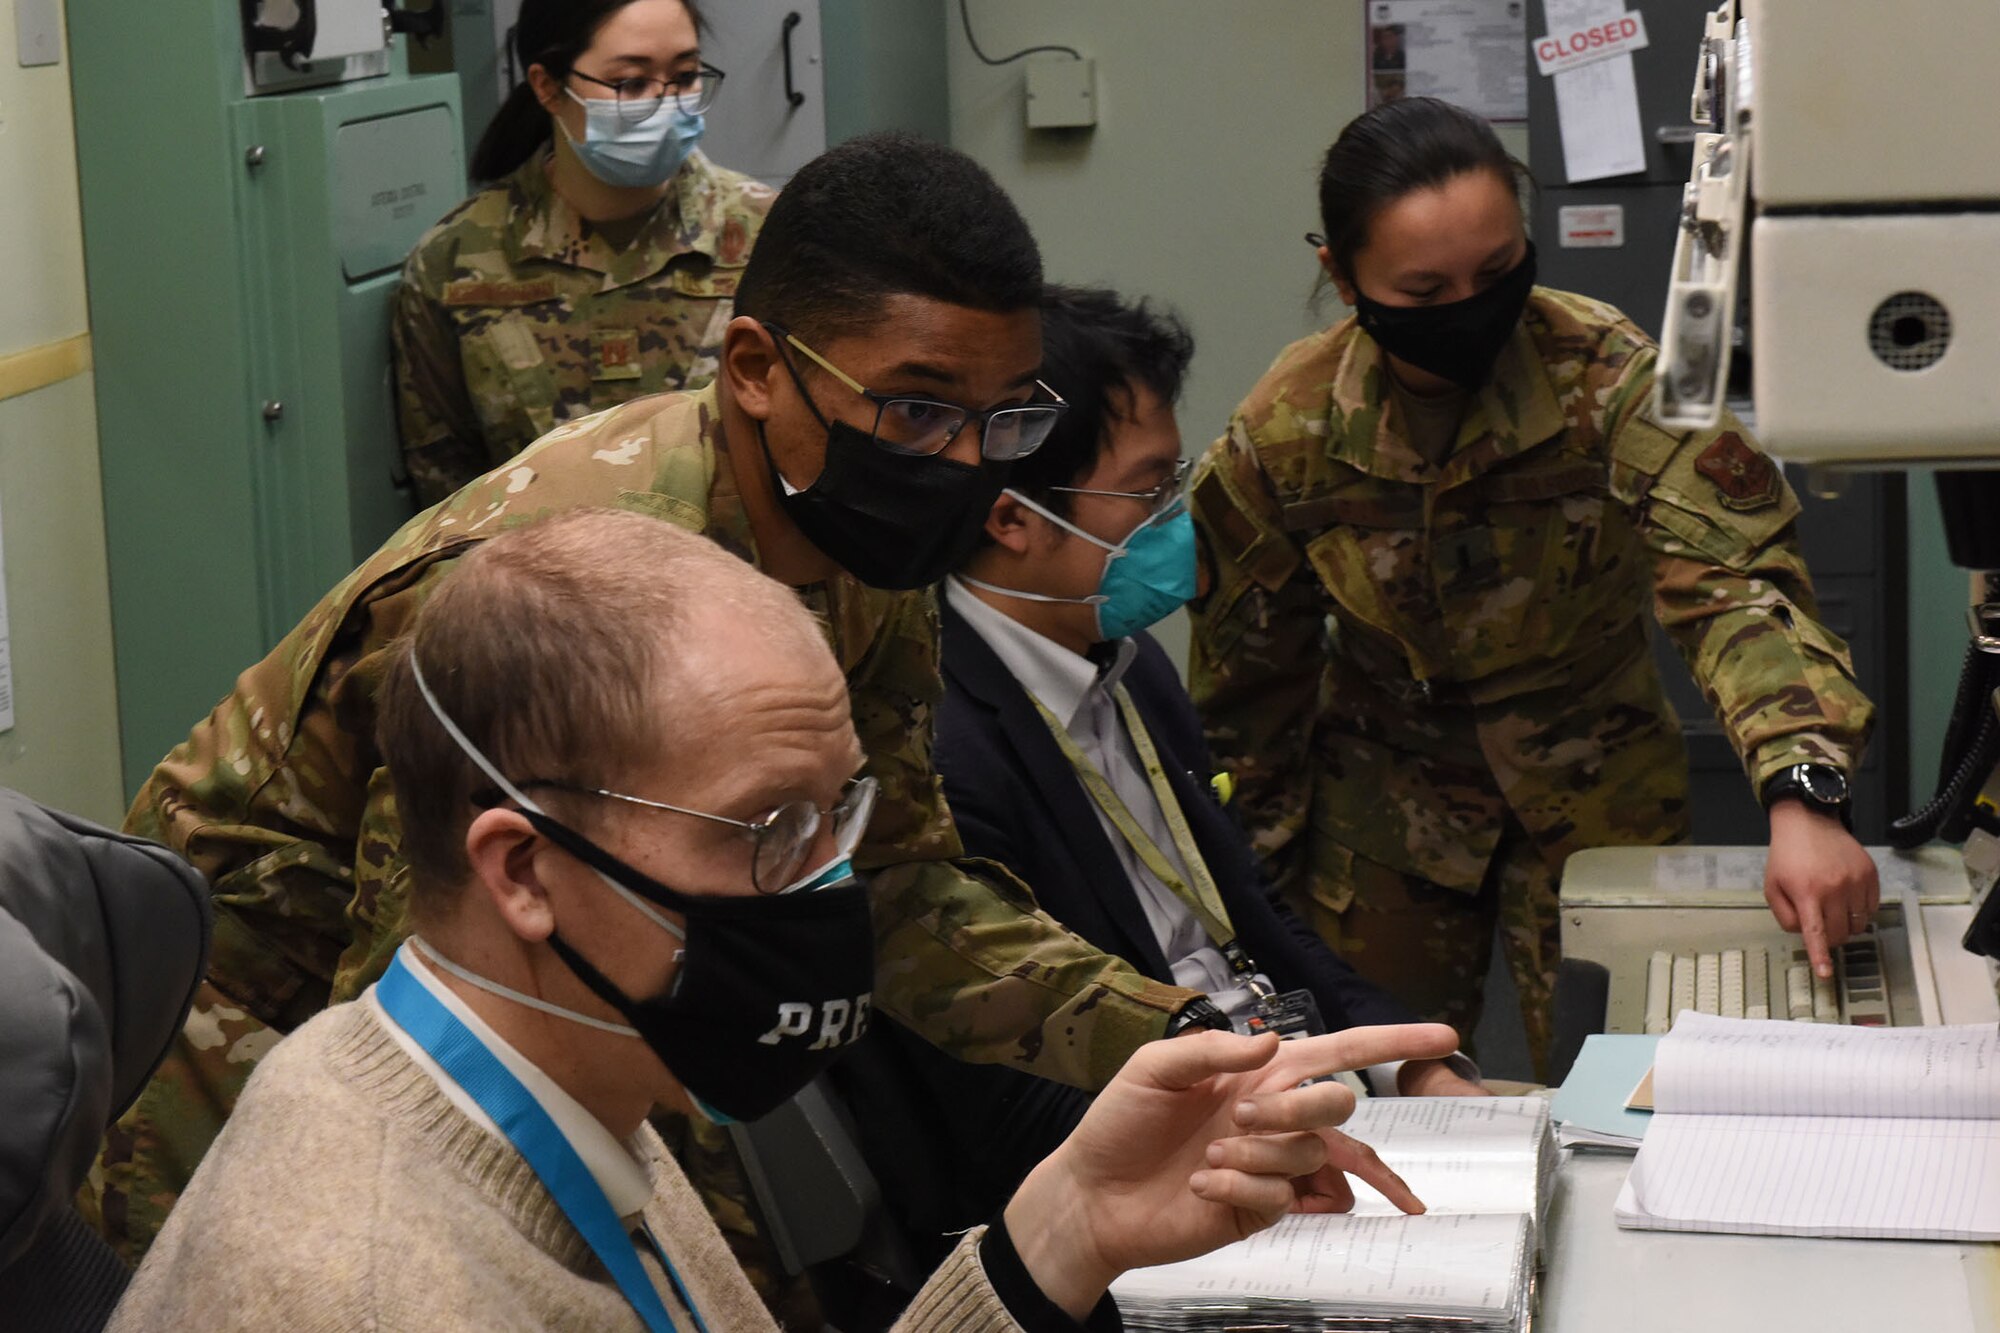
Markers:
point(1061, 680)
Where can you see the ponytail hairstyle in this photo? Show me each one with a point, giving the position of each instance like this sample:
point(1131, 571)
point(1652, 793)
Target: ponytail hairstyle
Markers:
point(552, 34)
point(1412, 143)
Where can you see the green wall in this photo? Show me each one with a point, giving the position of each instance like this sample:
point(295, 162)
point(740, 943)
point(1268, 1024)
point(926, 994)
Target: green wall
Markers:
point(1938, 592)
point(885, 67)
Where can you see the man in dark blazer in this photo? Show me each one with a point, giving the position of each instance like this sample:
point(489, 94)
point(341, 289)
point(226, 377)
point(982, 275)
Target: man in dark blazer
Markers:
point(1050, 680)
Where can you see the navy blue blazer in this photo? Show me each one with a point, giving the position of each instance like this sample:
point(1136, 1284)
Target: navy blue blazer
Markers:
point(1016, 800)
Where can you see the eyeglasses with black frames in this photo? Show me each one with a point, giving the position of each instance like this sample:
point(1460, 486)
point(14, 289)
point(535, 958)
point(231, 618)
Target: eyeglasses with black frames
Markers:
point(640, 96)
point(918, 426)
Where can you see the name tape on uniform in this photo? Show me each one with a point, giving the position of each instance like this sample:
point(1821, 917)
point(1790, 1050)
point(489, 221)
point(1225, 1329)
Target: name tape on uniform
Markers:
point(1577, 47)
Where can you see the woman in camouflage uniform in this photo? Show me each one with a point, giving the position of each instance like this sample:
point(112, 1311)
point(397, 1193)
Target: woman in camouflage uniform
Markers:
point(1431, 535)
point(601, 262)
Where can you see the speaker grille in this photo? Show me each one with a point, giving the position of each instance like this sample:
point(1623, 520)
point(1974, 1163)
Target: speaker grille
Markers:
point(1910, 331)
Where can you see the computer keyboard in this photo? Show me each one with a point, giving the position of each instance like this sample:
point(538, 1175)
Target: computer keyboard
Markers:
point(1738, 983)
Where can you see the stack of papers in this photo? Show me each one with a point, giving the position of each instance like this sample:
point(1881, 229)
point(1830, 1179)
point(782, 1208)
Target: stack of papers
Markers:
point(1446, 1273)
point(1591, 1108)
point(1809, 1129)
point(1482, 1166)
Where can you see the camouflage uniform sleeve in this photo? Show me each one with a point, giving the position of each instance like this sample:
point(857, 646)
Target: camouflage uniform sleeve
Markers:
point(279, 800)
point(1257, 649)
point(963, 956)
point(440, 430)
point(1731, 588)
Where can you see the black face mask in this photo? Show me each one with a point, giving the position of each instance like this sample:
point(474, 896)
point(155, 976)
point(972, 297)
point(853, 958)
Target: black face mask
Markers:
point(891, 520)
point(769, 989)
point(1459, 341)
point(769, 992)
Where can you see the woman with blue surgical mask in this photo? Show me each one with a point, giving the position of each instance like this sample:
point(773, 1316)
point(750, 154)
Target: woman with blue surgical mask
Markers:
point(601, 259)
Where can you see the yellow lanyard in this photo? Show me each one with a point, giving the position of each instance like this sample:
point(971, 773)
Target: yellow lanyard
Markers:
point(1201, 897)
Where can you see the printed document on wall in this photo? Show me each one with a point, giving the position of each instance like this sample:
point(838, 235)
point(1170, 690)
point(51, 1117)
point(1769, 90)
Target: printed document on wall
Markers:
point(1471, 53)
point(1597, 106)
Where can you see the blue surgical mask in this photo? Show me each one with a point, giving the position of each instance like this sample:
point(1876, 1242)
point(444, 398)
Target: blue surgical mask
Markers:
point(634, 154)
point(1147, 577)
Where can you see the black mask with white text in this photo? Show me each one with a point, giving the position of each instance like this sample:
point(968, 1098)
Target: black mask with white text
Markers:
point(769, 991)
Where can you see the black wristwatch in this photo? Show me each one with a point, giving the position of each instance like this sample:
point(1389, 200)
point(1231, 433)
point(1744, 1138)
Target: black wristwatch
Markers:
point(1200, 1012)
point(1821, 786)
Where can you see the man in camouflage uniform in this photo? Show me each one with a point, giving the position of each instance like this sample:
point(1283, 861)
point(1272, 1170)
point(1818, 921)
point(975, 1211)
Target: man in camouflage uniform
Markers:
point(280, 798)
point(1431, 677)
point(516, 315)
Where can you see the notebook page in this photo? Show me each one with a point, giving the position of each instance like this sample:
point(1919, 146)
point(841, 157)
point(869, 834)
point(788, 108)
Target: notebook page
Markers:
point(1735, 1066)
point(1470, 1264)
point(1928, 1179)
point(1459, 1154)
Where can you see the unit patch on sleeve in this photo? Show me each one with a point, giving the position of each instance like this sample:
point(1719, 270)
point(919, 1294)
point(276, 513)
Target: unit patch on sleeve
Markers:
point(1745, 478)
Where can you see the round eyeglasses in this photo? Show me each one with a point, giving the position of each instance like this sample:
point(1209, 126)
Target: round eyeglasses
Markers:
point(1159, 499)
point(920, 427)
point(781, 840)
point(639, 97)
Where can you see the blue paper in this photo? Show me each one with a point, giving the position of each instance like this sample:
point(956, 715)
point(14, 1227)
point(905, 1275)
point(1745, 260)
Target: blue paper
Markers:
point(1606, 1071)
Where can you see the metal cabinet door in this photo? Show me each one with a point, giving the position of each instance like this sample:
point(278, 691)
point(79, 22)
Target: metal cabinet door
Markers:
point(771, 117)
point(1664, 70)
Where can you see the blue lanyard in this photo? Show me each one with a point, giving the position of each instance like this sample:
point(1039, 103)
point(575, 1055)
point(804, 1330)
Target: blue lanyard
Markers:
point(535, 1136)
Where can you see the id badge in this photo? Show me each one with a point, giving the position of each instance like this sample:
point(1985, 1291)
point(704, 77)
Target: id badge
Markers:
point(1292, 1014)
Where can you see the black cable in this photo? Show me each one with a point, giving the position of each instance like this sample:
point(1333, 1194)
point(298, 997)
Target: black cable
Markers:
point(1972, 748)
point(973, 42)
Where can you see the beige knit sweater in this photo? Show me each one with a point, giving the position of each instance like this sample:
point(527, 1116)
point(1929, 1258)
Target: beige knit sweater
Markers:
point(347, 1193)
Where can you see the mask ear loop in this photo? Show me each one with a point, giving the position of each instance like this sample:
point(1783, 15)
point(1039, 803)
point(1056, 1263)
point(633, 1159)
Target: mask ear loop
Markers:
point(1095, 599)
point(1116, 548)
point(773, 332)
point(520, 798)
point(470, 978)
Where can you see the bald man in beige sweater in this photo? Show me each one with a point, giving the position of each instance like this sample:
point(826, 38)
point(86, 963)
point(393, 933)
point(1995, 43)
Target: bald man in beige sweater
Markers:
point(465, 1145)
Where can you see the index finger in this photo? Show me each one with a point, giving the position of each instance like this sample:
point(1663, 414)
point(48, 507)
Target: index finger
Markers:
point(1193, 1056)
point(1813, 927)
point(1358, 1048)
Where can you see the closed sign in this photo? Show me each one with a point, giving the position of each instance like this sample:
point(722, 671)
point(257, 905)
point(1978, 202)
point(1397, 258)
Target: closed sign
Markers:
point(1582, 46)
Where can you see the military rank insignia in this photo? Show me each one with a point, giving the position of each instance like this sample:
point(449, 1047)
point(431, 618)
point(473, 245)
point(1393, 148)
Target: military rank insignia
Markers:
point(614, 355)
point(1745, 478)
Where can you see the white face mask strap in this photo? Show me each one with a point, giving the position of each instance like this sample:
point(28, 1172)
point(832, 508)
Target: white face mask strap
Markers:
point(1095, 599)
point(491, 987)
point(1116, 548)
point(520, 797)
point(494, 775)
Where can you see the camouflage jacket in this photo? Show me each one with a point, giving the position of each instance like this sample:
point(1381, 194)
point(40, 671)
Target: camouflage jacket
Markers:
point(514, 316)
point(1393, 657)
point(280, 797)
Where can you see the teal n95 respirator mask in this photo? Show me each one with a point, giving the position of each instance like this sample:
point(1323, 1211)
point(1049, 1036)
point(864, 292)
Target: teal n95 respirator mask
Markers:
point(1147, 577)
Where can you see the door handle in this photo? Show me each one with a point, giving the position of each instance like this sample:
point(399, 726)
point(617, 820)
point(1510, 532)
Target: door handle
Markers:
point(793, 97)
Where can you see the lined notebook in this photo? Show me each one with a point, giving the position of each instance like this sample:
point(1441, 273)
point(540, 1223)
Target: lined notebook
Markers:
point(1809, 1129)
point(1482, 1166)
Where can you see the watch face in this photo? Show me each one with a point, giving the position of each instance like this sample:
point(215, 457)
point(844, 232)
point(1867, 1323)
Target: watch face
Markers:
point(1825, 784)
